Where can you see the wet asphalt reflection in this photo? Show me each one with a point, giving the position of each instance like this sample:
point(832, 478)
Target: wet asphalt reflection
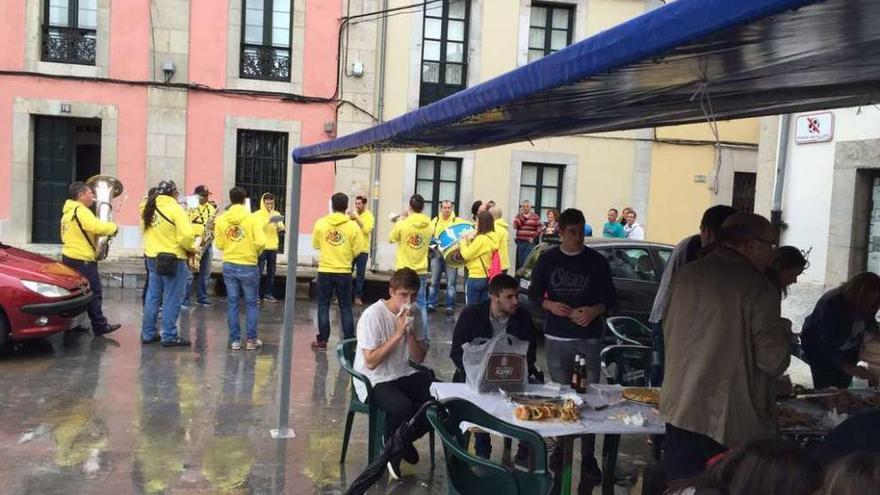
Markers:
point(108, 415)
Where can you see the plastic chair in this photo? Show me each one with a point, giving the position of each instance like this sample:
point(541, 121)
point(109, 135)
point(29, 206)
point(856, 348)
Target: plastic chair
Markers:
point(376, 417)
point(467, 473)
point(627, 365)
point(629, 331)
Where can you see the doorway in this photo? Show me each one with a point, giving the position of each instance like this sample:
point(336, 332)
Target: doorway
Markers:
point(65, 150)
point(744, 191)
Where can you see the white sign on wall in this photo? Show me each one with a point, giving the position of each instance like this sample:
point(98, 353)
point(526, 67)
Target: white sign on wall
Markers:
point(814, 128)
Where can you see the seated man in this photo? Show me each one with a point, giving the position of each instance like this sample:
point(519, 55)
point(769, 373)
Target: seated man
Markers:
point(489, 319)
point(390, 334)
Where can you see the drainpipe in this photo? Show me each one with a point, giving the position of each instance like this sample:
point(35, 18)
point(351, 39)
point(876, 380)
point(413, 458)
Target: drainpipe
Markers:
point(376, 168)
point(781, 162)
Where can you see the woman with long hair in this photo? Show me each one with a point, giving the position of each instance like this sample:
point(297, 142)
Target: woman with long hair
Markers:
point(168, 240)
point(786, 264)
point(833, 334)
point(477, 252)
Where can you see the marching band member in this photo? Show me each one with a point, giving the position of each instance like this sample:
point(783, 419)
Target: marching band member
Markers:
point(502, 229)
point(365, 220)
point(168, 238)
point(241, 236)
point(441, 222)
point(199, 217)
point(79, 227)
point(274, 221)
point(413, 236)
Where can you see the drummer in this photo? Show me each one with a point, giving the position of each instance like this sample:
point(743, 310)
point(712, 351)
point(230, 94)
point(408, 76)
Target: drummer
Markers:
point(440, 223)
point(477, 252)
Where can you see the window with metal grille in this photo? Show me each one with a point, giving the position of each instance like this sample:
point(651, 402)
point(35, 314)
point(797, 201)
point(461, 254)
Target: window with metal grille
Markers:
point(266, 39)
point(69, 31)
point(550, 28)
point(261, 167)
point(744, 191)
point(541, 184)
point(444, 49)
point(437, 180)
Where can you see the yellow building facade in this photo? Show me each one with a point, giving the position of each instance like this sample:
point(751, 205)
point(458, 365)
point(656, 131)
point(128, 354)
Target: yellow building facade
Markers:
point(668, 175)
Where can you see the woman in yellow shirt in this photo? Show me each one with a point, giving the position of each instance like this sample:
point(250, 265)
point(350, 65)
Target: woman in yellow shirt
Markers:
point(477, 252)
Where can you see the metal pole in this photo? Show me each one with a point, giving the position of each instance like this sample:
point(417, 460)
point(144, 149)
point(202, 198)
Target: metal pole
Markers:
point(380, 116)
point(293, 199)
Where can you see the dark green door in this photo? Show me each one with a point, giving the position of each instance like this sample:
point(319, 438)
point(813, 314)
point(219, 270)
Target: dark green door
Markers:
point(53, 173)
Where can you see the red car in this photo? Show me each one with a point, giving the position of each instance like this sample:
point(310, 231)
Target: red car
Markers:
point(38, 296)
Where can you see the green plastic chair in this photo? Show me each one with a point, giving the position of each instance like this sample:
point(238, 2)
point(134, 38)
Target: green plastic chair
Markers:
point(467, 473)
point(375, 416)
point(630, 331)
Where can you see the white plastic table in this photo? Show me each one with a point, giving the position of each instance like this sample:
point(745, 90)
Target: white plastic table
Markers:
point(606, 421)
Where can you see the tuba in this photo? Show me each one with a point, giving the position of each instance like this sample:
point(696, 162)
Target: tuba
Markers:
point(106, 189)
point(201, 243)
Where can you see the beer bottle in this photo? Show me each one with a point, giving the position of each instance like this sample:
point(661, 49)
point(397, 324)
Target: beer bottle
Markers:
point(582, 377)
point(574, 372)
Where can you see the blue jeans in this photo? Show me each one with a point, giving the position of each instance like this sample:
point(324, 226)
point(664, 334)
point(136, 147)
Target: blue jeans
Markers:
point(523, 250)
point(166, 291)
point(438, 267)
point(241, 280)
point(201, 279)
point(476, 290)
point(340, 284)
point(268, 260)
point(359, 267)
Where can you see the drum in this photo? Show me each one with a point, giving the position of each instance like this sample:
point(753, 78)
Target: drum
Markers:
point(448, 243)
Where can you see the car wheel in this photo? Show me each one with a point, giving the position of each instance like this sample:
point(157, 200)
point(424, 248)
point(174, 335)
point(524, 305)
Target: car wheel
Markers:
point(5, 335)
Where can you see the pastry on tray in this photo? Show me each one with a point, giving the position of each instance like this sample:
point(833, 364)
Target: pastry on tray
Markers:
point(643, 395)
point(548, 411)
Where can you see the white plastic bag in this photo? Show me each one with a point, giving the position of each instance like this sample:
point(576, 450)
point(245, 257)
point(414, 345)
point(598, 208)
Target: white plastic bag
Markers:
point(496, 363)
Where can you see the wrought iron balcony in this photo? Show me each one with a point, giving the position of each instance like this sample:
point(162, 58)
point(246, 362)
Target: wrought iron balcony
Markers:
point(69, 45)
point(265, 62)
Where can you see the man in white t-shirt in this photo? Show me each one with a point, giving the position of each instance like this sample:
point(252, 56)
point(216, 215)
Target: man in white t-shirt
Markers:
point(390, 333)
point(632, 228)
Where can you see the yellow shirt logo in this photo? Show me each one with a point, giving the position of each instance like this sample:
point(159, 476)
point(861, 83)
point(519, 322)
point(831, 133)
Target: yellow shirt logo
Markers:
point(235, 233)
point(334, 238)
point(414, 241)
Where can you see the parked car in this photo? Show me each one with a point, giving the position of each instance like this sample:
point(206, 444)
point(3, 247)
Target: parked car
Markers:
point(637, 267)
point(38, 296)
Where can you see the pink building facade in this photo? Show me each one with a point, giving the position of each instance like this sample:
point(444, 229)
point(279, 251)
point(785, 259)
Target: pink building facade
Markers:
point(213, 92)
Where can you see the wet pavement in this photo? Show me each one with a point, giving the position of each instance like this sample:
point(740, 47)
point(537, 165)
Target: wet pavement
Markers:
point(107, 415)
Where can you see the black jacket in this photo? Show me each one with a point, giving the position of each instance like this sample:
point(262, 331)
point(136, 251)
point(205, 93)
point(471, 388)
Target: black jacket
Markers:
point(473, 322)
point(827, 329)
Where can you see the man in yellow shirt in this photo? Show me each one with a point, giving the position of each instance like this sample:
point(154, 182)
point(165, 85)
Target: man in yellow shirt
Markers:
point(365, 220)
point(241, 236)
point(339, 241)
point(503, 231)
point(441, 222)
point(274, 221)
point(200, 217)
point(413, 236)
point(79, 227)
point(168, 240)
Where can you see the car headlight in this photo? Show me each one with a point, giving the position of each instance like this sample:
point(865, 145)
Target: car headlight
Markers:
point(45, 290)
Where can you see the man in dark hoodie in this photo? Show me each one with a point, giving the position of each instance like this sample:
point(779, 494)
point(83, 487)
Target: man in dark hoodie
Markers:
point(573, 284)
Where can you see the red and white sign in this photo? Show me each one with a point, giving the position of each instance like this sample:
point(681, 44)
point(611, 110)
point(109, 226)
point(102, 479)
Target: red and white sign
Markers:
point(814, 128)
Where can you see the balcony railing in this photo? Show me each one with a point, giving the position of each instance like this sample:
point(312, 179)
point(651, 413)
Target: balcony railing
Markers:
point(69, 45)
point(265, 62)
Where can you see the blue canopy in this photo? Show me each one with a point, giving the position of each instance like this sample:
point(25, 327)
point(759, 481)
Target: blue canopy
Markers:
point(688, 61)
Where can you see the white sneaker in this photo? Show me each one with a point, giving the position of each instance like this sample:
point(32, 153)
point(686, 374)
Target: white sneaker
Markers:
point(236, 345)
point(252, 344)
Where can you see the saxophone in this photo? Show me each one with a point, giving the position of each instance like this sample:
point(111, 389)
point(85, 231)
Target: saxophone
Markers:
point(201, 243)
